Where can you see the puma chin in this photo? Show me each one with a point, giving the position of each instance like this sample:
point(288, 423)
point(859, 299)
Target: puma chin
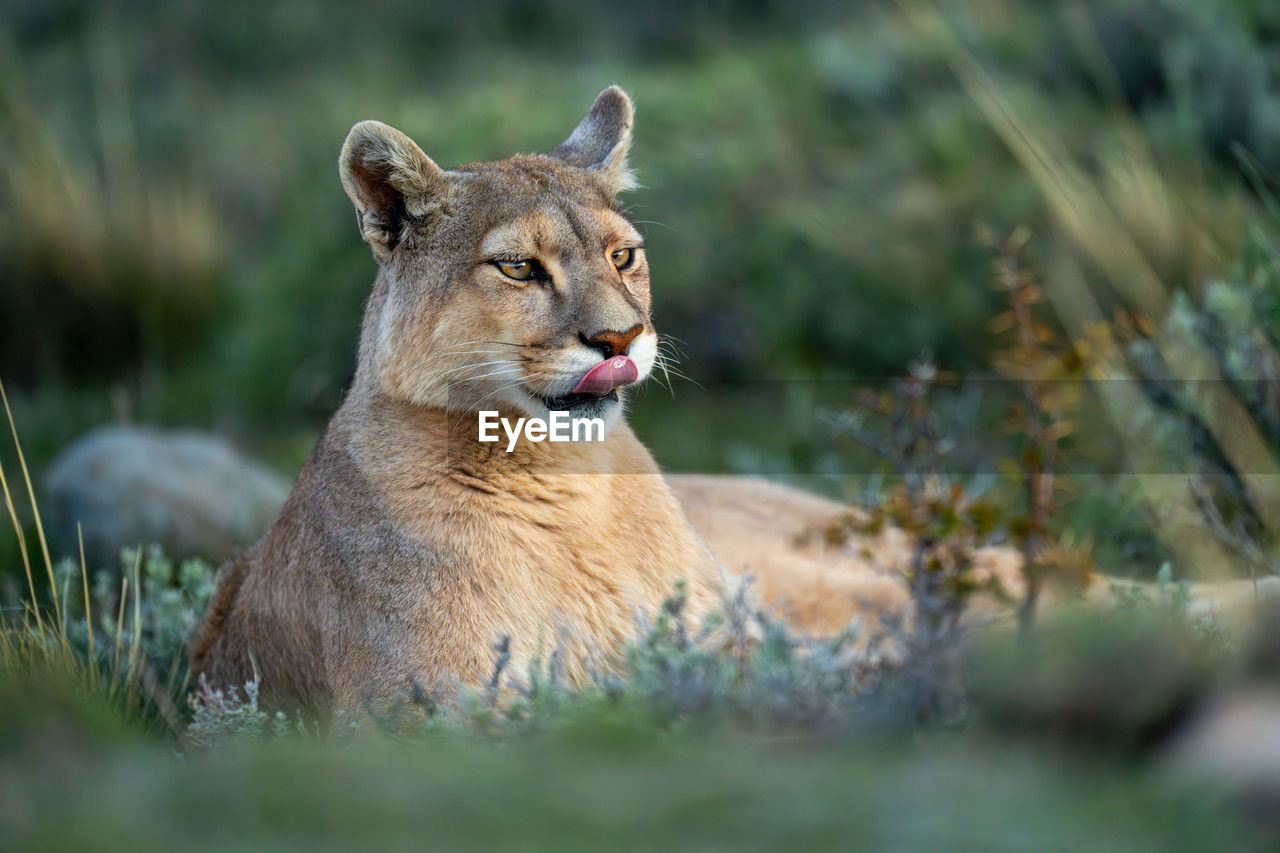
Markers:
point(607, 408)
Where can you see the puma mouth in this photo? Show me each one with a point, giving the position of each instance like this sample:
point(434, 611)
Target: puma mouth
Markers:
point(574, 401)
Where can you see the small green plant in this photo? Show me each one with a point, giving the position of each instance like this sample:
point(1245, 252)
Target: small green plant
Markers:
point(1048, 376)
point(947, 524)
point(122, 639)
point(1233, 320)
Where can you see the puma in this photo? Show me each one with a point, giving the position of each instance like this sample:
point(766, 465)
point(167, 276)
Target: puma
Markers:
point(408, 547)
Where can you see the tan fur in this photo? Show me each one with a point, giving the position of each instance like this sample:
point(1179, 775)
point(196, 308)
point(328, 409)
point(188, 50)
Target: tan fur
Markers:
point(762, 530)
point(776, 535)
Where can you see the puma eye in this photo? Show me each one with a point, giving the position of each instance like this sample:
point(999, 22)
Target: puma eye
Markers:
point(518, 270)
point(622, 258)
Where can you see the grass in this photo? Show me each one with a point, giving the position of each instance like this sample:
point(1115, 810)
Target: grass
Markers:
point(604, 786)
point(54, 635)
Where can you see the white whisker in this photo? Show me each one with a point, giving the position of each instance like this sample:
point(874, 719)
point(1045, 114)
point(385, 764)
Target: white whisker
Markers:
point(503, 361)
point(466, 380)
point(476, 405)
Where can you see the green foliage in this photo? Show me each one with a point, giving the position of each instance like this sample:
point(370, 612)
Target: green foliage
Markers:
point(1117, 681)
point(947, 521)
point(1202, 71)
point(106, 261)
point(1219, 347)
point(596, 786)
point(160, 619)
point(813, 173)
point(124, 639)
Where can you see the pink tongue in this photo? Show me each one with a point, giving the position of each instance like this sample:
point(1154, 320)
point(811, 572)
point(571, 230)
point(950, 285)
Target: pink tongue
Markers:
point(607, 375)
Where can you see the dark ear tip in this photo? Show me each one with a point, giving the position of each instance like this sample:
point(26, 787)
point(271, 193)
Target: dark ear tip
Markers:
point(616, 102)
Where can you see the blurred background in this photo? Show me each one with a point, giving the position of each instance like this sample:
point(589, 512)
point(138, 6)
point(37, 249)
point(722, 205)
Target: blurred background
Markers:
point(1058, 221)
point(826, 188)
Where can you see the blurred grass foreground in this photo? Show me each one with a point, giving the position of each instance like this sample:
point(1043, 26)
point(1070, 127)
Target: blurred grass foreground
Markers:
point(1058, 222)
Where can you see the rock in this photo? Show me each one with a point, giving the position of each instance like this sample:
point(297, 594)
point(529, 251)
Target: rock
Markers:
point(191, 493)
point(1233, 745)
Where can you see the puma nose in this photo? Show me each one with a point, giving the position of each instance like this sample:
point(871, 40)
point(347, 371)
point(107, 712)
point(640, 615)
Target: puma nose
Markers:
point(611, 343)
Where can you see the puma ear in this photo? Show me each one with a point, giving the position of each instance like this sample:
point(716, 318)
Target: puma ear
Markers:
point(389, 180)
point(600, 141)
